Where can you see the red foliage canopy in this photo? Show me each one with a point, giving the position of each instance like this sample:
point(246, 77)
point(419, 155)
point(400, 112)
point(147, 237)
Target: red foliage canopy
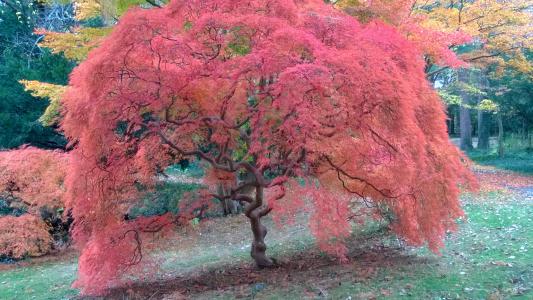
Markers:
point(279, 89)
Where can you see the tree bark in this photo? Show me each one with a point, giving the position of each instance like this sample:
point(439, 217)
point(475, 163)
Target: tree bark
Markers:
point(255, 211)
point(484, 117)
point(465, 122)
point(229, 206)
point(483, 132)
point(449, 121)
point(465, 131)
point(500, 136)
point(455, 121)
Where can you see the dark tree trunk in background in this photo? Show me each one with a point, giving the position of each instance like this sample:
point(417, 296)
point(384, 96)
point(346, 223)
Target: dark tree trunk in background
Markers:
point(484, 117)
point(483, 130)
point(465, 122)
point(500, 135)
point(451, 121)
point(229, 206)
point(455, 121)
point(465, 128)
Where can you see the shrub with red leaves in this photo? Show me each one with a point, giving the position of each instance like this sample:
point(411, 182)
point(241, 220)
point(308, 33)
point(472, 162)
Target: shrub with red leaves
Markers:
point(23, 236)
point(31, 181)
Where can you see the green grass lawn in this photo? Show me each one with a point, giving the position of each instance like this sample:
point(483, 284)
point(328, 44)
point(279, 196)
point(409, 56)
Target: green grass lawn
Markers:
point(49, 280)
point(490, 257)
point(516, 161)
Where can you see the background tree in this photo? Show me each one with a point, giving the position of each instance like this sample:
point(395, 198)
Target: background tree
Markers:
point(279, 94)
point(53, 92)
point(499, 34)
point(490, 96)
point(500, 38)
point(471, 85)
point(511, 92)
point(89, 22)
point(21, 58)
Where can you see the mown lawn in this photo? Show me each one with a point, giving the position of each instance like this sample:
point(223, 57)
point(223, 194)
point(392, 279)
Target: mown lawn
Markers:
point(490, 257)
point(49, 280)
point(516, 161)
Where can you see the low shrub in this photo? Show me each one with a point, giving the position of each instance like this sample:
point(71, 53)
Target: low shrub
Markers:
point(22, 236)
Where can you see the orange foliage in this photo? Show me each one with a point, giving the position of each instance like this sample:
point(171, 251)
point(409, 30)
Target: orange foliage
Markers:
point(22, 236)
point(34, 177)
point(31, 179)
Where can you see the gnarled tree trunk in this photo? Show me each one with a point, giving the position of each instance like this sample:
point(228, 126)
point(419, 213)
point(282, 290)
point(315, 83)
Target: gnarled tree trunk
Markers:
point(255, 211)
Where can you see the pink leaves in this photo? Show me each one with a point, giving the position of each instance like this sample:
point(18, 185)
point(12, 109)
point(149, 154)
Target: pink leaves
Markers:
point(118, 248)
point(436, 44)
point(329, 222)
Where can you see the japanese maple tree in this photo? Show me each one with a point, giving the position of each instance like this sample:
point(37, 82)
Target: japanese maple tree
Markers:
point(280, 90)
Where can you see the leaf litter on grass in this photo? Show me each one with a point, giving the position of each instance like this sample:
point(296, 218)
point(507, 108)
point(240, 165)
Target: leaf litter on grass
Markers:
point(490, 257)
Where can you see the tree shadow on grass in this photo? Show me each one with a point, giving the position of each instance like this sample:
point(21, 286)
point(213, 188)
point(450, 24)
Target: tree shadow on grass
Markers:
point(304, 269)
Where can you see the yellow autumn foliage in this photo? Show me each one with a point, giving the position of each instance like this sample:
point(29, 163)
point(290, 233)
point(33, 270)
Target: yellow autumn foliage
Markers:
point(74, 45)
point(86, 9)
point(53, 92)
point(500, 29)
point(109, 10)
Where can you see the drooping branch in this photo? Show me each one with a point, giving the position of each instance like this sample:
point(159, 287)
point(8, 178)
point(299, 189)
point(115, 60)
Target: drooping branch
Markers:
point(137, 255)
point(339, 170)
point(199, 153)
